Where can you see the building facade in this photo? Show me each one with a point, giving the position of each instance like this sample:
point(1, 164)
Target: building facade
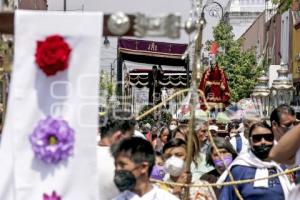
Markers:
point(243, 13)
point(254, 36)
point(32, 5)
point(295, 58)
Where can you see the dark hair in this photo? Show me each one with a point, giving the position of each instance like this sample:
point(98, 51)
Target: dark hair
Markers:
point(137, 149)
point(113, 122)
point(110, 127)
point(127, 120)
point(277, 112)
point(174, 120)
point(220, 143)
point(162, 130)
point(184, 130)
point(234, 124)
point(153, 136)
point(175, 142)
point(262, 124)
point(159, 154)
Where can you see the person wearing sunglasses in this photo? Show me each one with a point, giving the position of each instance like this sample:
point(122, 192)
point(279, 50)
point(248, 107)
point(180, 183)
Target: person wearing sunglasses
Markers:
point(237, 138)
point(253, 165)
point(283, 118)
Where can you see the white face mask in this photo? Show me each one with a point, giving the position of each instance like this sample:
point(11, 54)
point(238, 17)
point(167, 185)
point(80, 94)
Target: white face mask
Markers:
point(172, 127)
point(174, 166)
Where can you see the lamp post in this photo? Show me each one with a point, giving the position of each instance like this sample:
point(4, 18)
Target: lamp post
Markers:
point(261, 96)
point(282, 88)
point(281, 92)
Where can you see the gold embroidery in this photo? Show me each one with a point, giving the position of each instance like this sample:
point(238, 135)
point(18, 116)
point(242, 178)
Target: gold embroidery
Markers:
point(152, 47)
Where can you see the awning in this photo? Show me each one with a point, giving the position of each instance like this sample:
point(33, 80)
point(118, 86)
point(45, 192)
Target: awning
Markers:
point(152, 52)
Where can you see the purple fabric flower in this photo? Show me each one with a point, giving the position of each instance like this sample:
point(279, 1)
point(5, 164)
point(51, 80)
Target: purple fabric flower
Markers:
point(52, 140)
point(54, 196)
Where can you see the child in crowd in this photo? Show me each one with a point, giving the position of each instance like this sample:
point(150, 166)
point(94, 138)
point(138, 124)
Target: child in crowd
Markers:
point(134, 160)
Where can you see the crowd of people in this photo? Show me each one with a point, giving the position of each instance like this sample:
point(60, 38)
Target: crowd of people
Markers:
point(140, 161)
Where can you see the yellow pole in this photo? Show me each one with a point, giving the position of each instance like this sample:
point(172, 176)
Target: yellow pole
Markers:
point(193, 103)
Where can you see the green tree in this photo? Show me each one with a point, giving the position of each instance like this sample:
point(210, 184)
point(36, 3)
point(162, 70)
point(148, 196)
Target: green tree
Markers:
point(240, 66)
point(283, 5)
point(160, 115)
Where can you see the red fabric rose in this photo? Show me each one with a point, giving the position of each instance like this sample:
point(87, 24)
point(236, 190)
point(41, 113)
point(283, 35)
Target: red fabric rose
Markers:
point(52, 54)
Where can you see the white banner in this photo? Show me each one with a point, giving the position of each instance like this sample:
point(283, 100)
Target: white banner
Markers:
point(70, 94)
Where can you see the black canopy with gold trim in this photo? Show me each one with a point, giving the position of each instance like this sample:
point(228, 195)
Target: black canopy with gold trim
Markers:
point(170, 79)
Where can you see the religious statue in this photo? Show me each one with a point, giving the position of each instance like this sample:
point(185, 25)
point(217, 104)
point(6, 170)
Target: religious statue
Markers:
point(214, 83)
point(154, 87)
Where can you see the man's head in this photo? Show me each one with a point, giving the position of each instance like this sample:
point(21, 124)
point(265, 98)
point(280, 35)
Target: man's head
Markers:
point(283, 118)
point(117, 126)
point(202, 132)
point(127, 122)
point(213, 130)
point(234, 127)
point(111, 131)
point(134, 160)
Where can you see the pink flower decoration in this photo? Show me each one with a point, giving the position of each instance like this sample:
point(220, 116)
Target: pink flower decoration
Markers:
point(54, 196)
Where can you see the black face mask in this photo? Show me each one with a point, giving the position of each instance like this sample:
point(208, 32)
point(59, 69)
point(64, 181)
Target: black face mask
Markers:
point(124, 180)
point(261, 151)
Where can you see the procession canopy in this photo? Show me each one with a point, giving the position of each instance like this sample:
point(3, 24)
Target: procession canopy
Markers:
point(152, 52)
point(169, 79)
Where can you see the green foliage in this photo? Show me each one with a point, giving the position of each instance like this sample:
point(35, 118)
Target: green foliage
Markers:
point(239, 66)
point(107, 87)
point(157, 116)
point(284, 5)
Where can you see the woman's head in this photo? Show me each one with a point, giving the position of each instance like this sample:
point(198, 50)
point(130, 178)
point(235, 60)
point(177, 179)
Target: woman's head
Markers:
point(175, 154)
point(164, 134)
point(226, 151)
point(159, 159)
point(158, 171)
point(175, 147)
point(261, 139)
point(182, 133)
point(173, 124)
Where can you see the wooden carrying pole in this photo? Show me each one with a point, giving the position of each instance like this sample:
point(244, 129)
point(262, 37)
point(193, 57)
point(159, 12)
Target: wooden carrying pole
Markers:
point(193, 103)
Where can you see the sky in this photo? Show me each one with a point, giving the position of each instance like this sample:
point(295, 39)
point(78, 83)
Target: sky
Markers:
point(148, 7)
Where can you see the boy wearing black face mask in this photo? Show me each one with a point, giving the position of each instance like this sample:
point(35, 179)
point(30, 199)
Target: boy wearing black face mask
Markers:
point(134, 160)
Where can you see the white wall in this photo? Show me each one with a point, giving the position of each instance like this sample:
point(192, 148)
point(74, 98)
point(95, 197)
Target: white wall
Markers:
point(285, 36)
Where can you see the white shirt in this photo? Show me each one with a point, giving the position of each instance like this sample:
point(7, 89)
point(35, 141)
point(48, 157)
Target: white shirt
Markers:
point(295, 193)
point(154, 194)
point(106, 172)
point(139, 134)
point(245, 143)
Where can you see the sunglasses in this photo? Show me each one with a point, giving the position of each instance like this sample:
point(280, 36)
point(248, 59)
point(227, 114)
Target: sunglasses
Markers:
point(234, 126)
point(290, 126)
point(267, 137)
